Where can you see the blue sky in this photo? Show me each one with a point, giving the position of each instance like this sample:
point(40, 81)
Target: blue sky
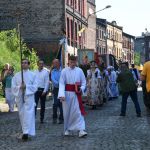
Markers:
point(133, 15)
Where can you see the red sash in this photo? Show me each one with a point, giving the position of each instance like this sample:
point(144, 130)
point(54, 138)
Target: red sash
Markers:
point(71, 88)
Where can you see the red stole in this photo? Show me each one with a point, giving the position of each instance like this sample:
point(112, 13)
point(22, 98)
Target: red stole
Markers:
point(75, 88)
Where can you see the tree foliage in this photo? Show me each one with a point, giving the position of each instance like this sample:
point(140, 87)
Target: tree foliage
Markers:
point(137, 58)
point(10, 52)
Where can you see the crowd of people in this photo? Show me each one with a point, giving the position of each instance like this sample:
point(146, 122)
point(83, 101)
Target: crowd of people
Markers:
point(89, 84)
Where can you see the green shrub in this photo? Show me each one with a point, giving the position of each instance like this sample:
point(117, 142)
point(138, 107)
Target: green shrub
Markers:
point(10, 53)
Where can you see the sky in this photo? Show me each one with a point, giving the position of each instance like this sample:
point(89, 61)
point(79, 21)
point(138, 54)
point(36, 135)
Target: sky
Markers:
point(132, 15)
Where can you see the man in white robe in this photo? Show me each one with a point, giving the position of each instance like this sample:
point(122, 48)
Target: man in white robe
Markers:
point(70, 96)
point(26, 105)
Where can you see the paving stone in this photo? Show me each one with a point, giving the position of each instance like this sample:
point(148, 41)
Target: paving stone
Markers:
point(106, 130)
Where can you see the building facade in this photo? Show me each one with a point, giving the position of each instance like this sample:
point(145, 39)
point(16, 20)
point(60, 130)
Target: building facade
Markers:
point(147, 46)
point(128, 48)
point(91, 28)
point(114, 39)
point(142, 46)
point(76, 19)
point(43, 23)
point(101, 39)
point(139, 47)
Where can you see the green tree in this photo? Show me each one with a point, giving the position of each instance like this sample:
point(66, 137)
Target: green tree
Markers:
point(10, 53)
point(137, 58)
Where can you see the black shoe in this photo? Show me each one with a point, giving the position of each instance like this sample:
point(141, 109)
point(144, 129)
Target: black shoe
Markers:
point(110, 99)
point(60, 122)
point(54, 121)
point(122, 115)
point(93, 107)
point(25, 137)
point(138, 115)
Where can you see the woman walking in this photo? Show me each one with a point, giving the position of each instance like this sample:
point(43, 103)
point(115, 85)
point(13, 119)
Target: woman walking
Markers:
point(10, 99)
point(93, 75)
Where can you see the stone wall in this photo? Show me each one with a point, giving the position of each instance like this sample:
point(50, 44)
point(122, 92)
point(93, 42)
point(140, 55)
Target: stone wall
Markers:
point(41, 21)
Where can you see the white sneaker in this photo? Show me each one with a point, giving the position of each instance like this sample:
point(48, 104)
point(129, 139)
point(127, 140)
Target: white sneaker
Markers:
point(82, 133)
point(66, 133)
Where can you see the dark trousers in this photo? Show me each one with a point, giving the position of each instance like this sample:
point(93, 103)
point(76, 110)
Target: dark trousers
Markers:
point(133, 95)
point(57, 104)
point(38, 96)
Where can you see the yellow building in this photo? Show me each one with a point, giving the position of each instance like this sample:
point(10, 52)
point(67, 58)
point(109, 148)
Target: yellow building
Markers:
point(114, 39)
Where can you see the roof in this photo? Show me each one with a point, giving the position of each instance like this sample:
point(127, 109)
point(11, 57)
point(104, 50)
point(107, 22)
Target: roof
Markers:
point(128, 35)
point(114, 24)
point(100, 21)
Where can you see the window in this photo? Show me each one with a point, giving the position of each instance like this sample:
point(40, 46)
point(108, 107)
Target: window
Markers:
point(79, 5)
point(71, 2)
point(97, 33)
point(112, 36)
point(75, 4)
point(116, 36)
point(68, 30)
point(76, 31)
point(72, 33)
point(97, 49)
point(68, 2)
point(109, 34)
point(104, 51)
point(83, 7)
point(102, 34)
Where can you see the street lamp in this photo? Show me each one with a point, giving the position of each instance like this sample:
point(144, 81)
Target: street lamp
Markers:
point(90, 14)
point(108, 6)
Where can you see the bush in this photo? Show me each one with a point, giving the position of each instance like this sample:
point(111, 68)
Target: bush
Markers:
point(10, 53)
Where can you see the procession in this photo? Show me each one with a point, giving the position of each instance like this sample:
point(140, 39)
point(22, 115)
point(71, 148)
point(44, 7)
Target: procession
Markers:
point(73, 88)
point(74, 75)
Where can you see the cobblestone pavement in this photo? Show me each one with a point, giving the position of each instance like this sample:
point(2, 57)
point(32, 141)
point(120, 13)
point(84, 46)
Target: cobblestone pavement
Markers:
point(106, 131)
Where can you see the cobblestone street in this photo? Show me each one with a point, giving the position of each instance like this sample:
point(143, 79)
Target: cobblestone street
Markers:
point(106, 131)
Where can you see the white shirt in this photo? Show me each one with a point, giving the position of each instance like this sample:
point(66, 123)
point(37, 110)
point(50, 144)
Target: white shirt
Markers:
point(42, 78)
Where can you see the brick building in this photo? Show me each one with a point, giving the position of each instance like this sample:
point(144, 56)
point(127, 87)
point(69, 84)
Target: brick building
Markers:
point(42, 23)
point(128, 48)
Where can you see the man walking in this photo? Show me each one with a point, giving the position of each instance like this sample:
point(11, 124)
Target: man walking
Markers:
point(24, 94)
point(42, 77)
point(55, 76)
point(128, 88)
point(72, 83)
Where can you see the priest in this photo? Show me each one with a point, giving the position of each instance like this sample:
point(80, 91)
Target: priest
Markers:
point(24, 95)
point(71, 85)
